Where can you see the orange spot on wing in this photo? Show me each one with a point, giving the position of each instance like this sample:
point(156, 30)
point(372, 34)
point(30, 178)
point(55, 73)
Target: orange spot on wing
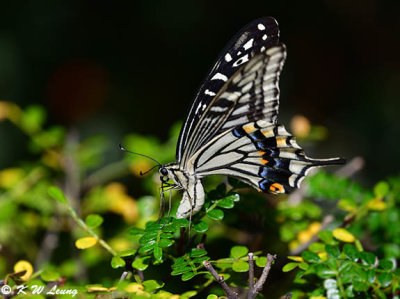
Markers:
point(263, 161)
point(249, 128)
point(261, 153)
point(281, 142)
point(268, 133)
point(276, 188)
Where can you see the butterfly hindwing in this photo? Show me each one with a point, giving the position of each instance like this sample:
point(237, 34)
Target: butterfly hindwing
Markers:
point(261, 154)
point(255, 38)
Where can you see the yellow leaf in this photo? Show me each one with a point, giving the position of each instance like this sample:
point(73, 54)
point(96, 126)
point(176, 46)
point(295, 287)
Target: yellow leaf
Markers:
point(296, 258)
point(134, 288)
point(323, 255)
point(24, 266)
point(10, 177)
point(293, 244)
point(376, 204)
point(314, 227)
point(304, 236)
point(121, 203)
point(343, 235)
point(97, 289)
point(86, 242)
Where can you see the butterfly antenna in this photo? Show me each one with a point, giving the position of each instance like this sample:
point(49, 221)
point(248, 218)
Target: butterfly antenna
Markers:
point(125, 150)
point(141, 173)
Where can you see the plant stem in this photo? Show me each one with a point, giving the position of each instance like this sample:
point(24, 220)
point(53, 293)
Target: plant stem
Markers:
point(83, 225)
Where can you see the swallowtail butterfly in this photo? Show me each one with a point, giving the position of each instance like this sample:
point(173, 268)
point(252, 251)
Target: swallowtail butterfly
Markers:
point(231, 128)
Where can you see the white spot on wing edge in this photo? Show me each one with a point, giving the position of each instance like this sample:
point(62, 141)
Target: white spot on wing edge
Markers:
point(209, 92)
point(228, 57)
point(249, 44)
point(219, 76)
point(264, 37)
point(261, 26)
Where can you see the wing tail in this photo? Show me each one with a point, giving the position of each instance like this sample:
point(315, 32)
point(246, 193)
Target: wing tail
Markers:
point(261, 154)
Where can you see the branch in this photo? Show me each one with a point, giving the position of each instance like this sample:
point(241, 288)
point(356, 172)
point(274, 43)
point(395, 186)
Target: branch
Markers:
point(220, 279)
point(260, 283)
point(251, 275)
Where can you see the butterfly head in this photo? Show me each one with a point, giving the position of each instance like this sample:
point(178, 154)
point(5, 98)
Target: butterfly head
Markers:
point(164, 178)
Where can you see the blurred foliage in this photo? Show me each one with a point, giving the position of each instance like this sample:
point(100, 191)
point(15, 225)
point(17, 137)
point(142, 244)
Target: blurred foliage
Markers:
point(69, 220)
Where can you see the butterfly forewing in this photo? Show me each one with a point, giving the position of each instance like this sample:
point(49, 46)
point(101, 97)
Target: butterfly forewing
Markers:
point(253, 39)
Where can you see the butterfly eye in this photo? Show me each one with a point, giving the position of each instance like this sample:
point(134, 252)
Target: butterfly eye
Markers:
point(163, 171)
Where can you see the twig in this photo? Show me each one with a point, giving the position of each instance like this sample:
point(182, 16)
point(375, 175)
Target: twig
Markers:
point(220, 279)
point(124, 275)
point(260, 283)
point(251, 275)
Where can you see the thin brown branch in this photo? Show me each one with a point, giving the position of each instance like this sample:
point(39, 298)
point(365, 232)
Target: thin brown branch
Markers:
point(220, 279)
point(263, 278)
point(251, 275)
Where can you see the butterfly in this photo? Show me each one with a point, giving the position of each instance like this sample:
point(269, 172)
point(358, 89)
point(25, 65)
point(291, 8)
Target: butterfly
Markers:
point(231, 127)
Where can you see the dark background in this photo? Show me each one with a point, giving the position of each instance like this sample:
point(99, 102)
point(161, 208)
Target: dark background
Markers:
point(113, 67)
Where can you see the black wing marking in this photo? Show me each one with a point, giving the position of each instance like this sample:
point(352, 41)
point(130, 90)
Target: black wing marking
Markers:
point(251, 94)
point(261, 154)
point(253, 39)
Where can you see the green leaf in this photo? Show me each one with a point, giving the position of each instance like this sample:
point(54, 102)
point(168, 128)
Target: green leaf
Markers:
point(201, 227)
point(146, 248)
point(317, 247)
point(327, 237)
point(181, 222)
point(93, 220)
point(239, 251)
point(187, 276)
point(136, 231)
point(181, 270)
point(381, 189)
point(226, 203)
point(57, 194)
point(188, 294)
point(49, 275)
point(360, 286)
point(141, 263)
point(199, 260)
point(303, 266)
point(152, 285)
point(371, 276)
point(351, 252)
point(216, 214)
point(240, 266)
point(157, 253)
point(332, 251)
point(386, 264)
point(127, 252)
point(261, 261)
point(311, 257)
point(197, 252)
point(117, 262)
point(289, 267)
point(164, 243)
point(385, 279)
point(212, 296)
point(368, 258)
